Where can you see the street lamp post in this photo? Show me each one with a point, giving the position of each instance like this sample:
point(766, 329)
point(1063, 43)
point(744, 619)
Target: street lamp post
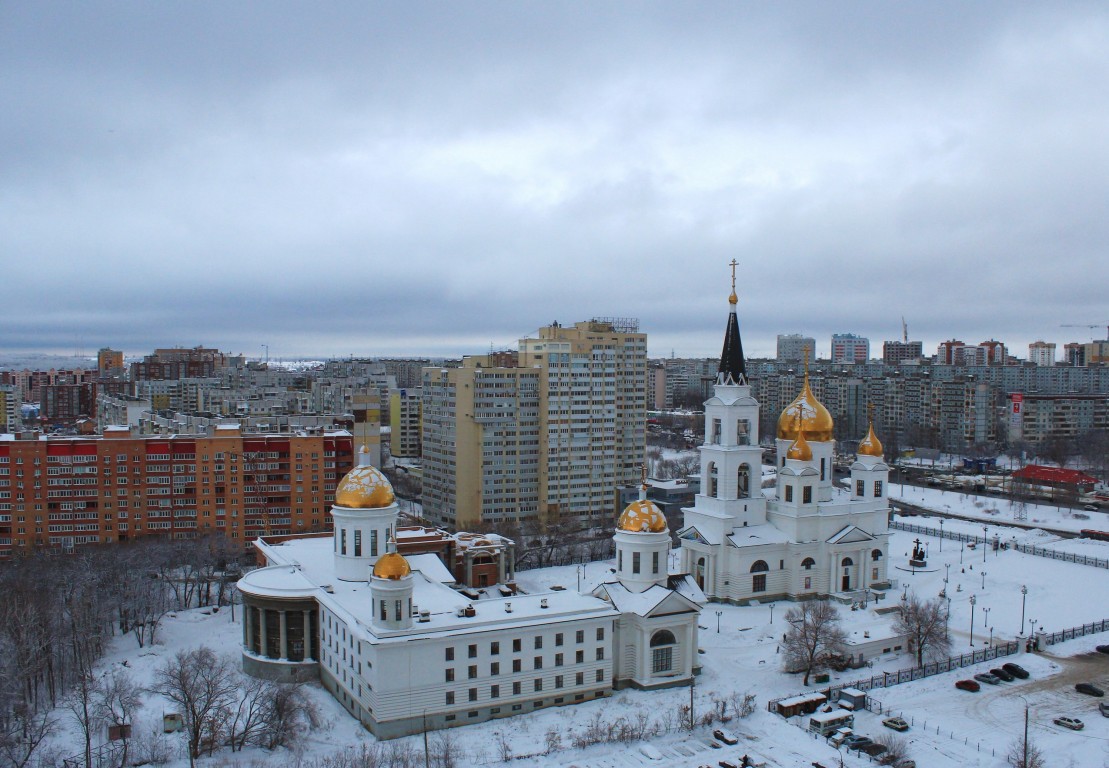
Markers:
point(941, 534)
point(986, 621)
point(991, 637)
point(947, 617)
point(972, 602)
point(962, 548)
point(983, 579)
point(718, 615)
point(947, 572)
point(772, 613)
point(1023, 598)
point(985, 528)
point(1032, 636)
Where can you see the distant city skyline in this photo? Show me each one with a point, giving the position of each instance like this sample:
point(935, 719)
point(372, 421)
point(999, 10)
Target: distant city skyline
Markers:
point(387, 179)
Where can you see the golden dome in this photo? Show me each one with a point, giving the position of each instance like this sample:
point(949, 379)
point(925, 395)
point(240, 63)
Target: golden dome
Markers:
point(800, 449)
point(642, 516)
point(814, 418)
point(870, 445)
point(391, 566)
point(364, 487)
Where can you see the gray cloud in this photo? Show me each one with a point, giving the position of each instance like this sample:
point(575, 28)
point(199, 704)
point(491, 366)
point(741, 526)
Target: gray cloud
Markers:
point(396, 178)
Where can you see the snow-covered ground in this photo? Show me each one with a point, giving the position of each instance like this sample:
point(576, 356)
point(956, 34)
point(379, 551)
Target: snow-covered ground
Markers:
point(950, 727)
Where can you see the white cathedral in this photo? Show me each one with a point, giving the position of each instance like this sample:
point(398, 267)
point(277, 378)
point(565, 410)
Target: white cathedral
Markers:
point(804, 538)
point(405, 650)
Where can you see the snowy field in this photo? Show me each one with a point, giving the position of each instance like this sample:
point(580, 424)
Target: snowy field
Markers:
point(950, 727)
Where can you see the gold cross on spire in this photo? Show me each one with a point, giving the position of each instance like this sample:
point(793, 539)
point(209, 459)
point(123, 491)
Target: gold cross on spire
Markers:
point(733, 298)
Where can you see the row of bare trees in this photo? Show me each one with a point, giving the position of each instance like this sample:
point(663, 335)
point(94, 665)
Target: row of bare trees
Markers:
point(59, 611)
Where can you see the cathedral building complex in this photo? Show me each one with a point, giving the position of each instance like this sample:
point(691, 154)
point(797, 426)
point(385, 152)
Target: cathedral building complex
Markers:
point(397, 641)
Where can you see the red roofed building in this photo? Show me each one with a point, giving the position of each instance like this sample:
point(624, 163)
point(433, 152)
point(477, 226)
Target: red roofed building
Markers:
point(1056, 477)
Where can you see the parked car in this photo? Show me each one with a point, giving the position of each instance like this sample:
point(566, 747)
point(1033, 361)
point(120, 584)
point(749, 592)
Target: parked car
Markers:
point(967, 685)
point(896, 723)
point(1002, 674)
point(857, 741)
point(1103, 708)
point(874, 749)
point(986, 677)
point(1089, 689)
point(1016, 670)
point(837, 738)
point(727, 764)
point(1070, 722)
point(1103, 649)
point(725, 737)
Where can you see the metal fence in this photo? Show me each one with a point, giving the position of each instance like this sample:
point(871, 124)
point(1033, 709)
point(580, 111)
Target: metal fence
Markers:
point(1050, 638)
point(888, 679)
point(1028, 549)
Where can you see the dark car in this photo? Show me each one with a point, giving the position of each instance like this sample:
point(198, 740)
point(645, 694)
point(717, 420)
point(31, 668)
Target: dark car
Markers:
point(1089, 689)
point(967, 685)
point(1003, 674)
point(874, 749)
point(1016, 670)
point(1103, 649)
point(986, 677)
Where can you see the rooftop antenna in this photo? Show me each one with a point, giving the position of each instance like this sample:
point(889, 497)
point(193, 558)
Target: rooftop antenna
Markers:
point(904, 330)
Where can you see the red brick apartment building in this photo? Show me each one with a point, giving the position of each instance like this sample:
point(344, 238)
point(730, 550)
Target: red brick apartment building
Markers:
point(64, 492)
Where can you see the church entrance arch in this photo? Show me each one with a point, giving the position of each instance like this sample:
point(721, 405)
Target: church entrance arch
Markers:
point(699, 572)
point(847, 563)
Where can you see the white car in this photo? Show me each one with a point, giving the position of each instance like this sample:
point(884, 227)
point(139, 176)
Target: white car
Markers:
point(1070, 722)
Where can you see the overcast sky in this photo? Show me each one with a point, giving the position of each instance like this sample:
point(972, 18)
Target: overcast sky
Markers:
point(435, 178)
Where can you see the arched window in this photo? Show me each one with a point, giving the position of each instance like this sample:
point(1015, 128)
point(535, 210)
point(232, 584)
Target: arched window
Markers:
point(712, 481)
point(808, 563)
point(662, 652)
point(744, 484)
point(876, 555)
point(758, 580)
point(699, 572)
point(847, 561)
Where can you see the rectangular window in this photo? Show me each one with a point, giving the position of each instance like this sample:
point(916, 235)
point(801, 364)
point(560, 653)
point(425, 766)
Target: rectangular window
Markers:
point(473, 694)
point(579, 678)
point(859, 489)
point(517, 665)
point(558, 659)
point(358, 543)
point(601, 654)
point(654, 562)
point(472, 651)
point(494, 649)
point(494, 691)
point(579, 637)
point(600, 633)
point(558, 681)
point(343, 541)
point(789, 493)
point(516, 689)
point(373, 543)
point(397, 610)
point(808, 582)
point(579, 657)
point(758, 582)
point(538, 642)
point(662, 659)
point(877, 488)
point(822, 469)
point(558, 639)
point(450, 697)
point(516, 645)
point(538, 686)
point(471, 671)
point(448, 652)
point(635, 562)
point(807, 495)
point(450, 675)
point(874, 574)
point(600, 675)
point(495, 668)
point(538, 662)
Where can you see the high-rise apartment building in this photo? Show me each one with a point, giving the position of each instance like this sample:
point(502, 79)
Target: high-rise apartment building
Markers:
point(1075, 354)
point(109, 362)
point(794, 347)
point(552, 438)
point(896, 352)
point(849, 348)
point(66, 492)
point(1041, 353)
point(404, 422)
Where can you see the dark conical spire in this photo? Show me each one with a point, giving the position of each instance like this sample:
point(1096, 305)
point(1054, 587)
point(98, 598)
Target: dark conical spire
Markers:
point(733, 368)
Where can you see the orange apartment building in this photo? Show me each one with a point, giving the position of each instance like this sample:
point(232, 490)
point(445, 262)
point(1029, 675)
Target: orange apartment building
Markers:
point(65, 492)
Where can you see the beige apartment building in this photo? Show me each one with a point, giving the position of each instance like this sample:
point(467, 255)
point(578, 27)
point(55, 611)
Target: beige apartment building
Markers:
point(552, 438)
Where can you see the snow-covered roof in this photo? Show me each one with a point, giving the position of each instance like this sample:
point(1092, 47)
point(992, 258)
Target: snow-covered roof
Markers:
point(645, 602)
point(754, 535)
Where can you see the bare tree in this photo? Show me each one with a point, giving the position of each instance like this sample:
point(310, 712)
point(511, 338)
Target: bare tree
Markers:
point(22, 733)
point(1025, 754)
point(924, 622)
point(447, 752)
point(116, 699)
point(203, 685)
point(814, 637)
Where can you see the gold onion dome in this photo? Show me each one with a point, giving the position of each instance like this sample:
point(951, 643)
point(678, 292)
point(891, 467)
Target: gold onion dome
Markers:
point(642, 516)
point(800, 449)
point(870, 445)
point(806, 414)
point(391, 566)
point(364, 487)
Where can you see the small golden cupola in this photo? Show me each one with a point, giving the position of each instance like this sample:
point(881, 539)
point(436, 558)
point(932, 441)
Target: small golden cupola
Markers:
point(800, 448)
point(642, 515)
point(391, 566)
point(870, 445)
point(806, 414)
point(364, 487)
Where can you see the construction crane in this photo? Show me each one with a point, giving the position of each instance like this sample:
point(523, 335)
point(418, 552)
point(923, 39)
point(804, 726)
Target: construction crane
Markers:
point(1089, 326)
